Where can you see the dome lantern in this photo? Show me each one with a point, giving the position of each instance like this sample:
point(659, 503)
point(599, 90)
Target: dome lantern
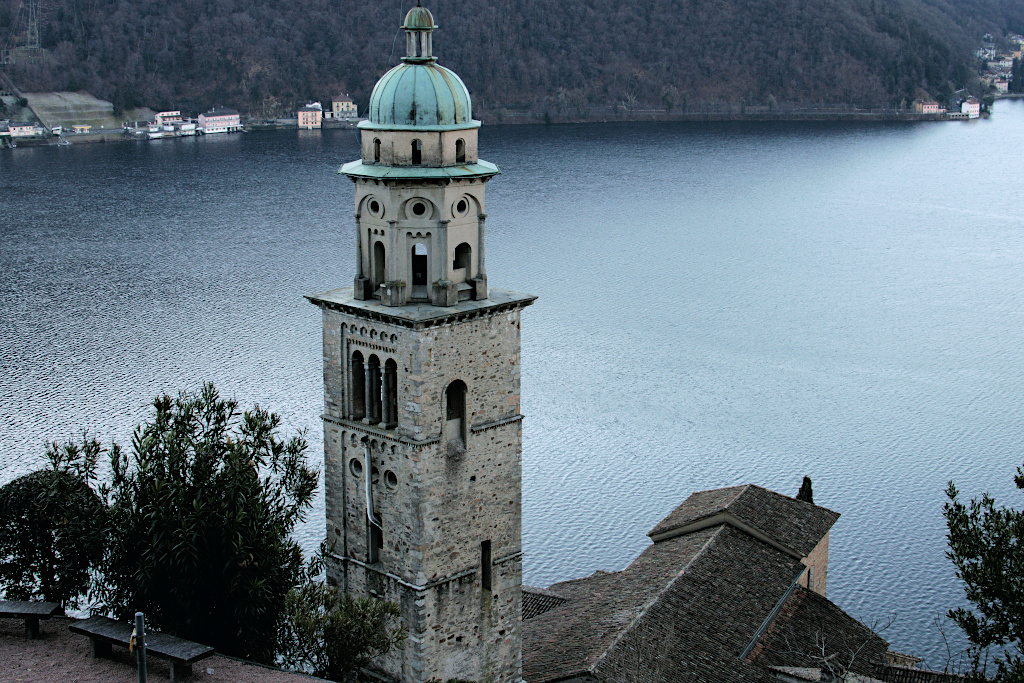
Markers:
point(418, 26)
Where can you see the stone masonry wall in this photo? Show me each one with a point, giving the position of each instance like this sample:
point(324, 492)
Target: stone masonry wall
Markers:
point(436, 505)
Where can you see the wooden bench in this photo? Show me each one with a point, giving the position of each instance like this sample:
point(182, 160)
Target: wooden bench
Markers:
point(30, 611)
point(104, 632)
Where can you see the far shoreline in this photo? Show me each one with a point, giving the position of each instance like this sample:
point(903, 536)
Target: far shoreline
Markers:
point(866, 116)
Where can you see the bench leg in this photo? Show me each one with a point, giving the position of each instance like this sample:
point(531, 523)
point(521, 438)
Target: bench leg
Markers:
point(180, 671)
point(32, 628)
point(99, 648)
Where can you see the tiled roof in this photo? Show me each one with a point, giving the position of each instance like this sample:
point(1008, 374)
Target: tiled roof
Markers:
point(794, 524)
point(684, 610)
point(721, 568)
point(808, 622)
point(538, 601)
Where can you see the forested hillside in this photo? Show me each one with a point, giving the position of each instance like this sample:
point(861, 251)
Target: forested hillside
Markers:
point(559, 56)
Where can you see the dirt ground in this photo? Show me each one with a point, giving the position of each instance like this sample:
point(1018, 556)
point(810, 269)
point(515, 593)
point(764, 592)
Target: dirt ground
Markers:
point(63, 657)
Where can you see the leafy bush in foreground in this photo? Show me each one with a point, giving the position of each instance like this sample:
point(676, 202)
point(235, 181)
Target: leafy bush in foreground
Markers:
point(52, 527)
point(333, 635)
point(200, 522)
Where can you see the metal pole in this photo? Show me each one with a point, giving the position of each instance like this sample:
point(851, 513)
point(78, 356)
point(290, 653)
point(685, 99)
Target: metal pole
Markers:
point(140, 644)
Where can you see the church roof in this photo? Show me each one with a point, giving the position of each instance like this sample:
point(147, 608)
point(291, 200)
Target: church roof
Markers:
point(795, 525)
point(703, 595)
point(694, 601)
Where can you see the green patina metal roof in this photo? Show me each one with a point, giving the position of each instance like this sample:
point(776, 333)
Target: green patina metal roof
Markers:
point(357, 169)
point(413, 94)
point(419, 18)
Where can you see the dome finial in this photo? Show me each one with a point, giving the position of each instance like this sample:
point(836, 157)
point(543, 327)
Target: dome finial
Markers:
point(418, 26)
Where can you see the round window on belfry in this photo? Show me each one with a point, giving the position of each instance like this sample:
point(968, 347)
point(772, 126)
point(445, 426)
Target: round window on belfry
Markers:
point(375, 208)
point(355, 467)
point(461, 207)
point(419, 208)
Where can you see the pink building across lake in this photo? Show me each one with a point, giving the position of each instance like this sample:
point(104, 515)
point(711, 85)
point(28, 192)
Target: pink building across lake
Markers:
point(220, 120)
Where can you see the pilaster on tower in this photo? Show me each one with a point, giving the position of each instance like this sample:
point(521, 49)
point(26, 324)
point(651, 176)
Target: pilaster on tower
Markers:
point(423, 443)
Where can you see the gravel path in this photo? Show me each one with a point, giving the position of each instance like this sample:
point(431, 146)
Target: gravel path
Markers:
point(60, 656)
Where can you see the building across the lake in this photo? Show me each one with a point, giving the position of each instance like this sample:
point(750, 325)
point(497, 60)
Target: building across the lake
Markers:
point(165, 118)
point(219, 120)
point(928, 107)
point(342, 107)
point(972, 107)
point(310, 116)
point(423, 458)
point(25, 130)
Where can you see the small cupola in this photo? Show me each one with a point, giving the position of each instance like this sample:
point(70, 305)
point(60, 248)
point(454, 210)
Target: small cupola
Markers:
point(418, 26)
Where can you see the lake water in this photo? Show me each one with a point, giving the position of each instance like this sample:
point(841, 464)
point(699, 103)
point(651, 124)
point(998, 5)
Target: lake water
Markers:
point(719, 304)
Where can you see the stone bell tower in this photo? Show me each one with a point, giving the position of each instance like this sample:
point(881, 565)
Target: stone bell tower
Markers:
point(422, 436)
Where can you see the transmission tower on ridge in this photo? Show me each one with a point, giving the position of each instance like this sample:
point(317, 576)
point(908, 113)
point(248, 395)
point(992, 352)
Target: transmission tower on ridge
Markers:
point(24, 38)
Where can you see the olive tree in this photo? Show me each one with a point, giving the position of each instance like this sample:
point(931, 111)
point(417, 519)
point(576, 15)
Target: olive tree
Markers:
point(986, 545)
point(200, 519)
point(52, 527)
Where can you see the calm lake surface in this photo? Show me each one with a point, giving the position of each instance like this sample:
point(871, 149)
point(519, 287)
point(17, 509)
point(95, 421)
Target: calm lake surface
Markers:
point(719, 305)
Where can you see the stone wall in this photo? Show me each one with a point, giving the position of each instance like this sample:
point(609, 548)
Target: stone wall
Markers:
point(437, 504)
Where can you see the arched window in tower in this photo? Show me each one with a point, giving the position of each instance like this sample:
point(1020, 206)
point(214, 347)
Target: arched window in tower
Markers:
point(376, 150)
point(455, 417)
point(463, 257)
point(460, 151)
point(390, 394)
point(417, 153)
point(379, 264)
point(357, 384)
point(373, 390)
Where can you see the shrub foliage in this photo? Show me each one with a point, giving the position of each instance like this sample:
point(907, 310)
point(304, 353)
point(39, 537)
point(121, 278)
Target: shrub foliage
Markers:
point(986, 545)
point(52, 527)
point(333, 635)
point(201, 514)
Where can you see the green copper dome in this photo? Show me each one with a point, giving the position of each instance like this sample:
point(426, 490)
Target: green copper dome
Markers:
point(418, 95)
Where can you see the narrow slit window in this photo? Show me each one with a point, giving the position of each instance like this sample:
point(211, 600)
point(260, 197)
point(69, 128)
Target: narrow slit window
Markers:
point(417, 153)
point(455, 418)
point(486, 566)
point(376, 150)
point(376, 543)
point(460, 151)
point(419, 265)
